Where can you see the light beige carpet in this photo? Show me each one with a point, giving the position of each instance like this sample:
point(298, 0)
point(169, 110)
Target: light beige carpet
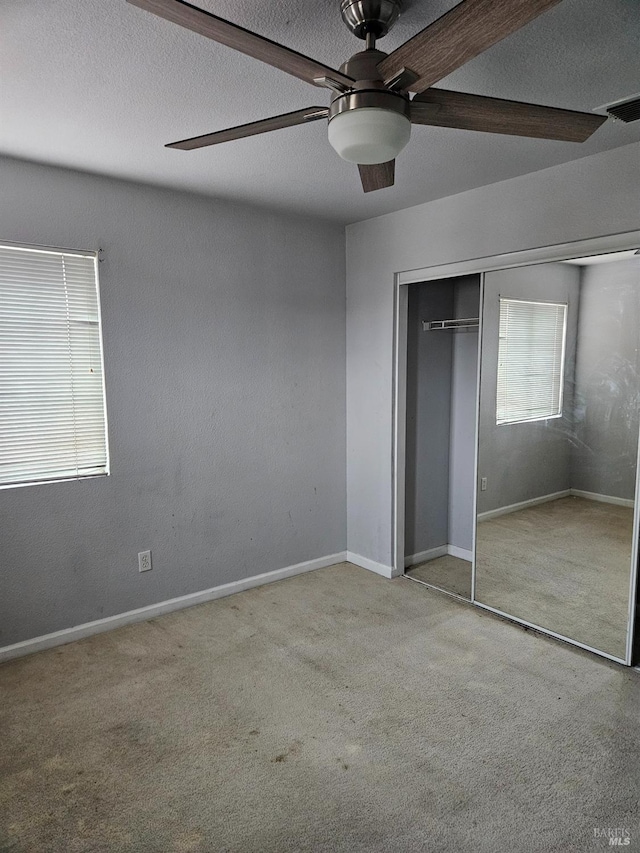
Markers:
point(562, 565)
point(448, 573)
point(335, 712)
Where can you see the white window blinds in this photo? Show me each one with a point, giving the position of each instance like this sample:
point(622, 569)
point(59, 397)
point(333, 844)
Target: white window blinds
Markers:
point(530, 360)
point(52, 407)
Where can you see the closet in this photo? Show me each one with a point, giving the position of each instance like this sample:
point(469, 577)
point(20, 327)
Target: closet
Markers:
point(521, 491)
point(442, 376)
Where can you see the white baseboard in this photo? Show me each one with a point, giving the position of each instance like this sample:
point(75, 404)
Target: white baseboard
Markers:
point(461, 553)
point(371, 565)
point(424, 556)
point(605, 499)
point(578, 493)
point(440, 551)
point(141, 614)
point(505, 510)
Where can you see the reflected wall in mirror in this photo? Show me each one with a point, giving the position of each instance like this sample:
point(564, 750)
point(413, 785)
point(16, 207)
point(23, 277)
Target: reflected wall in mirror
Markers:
point(558, 447)
point(442, 374)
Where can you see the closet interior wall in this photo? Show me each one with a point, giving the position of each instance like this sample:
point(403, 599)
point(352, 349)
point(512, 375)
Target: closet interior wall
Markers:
point(441, 420)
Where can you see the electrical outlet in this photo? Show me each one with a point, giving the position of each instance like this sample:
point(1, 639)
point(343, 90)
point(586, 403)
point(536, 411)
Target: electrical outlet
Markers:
point(483, 484)
point(144, 561)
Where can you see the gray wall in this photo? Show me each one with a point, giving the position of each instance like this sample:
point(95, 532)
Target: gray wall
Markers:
point(464, 393)
point(224, 336)
point(607, 380)
point(441, 412)
point(586, 198)
point(429, 366)
point(525, 460)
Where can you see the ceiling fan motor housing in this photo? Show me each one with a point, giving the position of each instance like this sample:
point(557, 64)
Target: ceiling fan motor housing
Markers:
point(369, 123)
point(369, 90)
point(375, 17)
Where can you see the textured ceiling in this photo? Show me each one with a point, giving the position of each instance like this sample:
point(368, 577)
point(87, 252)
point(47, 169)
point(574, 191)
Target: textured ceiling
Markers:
point(101, 85)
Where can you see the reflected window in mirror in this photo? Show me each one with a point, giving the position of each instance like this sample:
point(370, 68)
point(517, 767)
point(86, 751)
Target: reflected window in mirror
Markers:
point(531, 353)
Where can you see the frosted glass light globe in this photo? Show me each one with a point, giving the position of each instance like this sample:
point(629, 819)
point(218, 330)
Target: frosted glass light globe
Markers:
point(369, 135)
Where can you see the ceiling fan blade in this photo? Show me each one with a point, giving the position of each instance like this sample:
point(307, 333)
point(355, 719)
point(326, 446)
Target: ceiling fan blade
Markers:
point(460, 34)
point(251, 129)
point(378, 176)
point(231, 35)
point(440, 108)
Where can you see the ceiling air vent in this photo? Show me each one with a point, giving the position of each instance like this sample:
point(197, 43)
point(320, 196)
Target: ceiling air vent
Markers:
point(627, 110)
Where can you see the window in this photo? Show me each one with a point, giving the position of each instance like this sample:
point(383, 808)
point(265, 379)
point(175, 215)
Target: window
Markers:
point(530, 360)
point(52, 405)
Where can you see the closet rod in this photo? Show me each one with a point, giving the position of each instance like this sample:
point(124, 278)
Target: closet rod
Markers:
point(463, 323)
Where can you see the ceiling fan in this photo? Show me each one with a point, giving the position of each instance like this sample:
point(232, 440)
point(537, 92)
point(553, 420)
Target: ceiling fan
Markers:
point(371, 111)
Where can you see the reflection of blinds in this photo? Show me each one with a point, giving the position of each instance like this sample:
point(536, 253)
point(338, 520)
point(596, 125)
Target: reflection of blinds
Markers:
point(52, 412)
point(530, 360)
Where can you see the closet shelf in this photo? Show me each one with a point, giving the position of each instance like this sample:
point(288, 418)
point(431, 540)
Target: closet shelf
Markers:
point(463, 323)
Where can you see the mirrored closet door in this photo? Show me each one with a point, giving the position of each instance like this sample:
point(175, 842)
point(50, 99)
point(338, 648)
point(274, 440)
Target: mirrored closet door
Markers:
point(558, 433)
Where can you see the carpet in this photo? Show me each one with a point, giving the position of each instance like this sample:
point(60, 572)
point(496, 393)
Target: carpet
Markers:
point(563, 565)
point(335, 711)
point(448, 573)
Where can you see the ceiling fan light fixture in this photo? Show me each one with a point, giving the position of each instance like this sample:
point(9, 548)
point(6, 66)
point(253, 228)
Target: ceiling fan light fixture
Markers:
point(369, 135)
point(369, 126)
